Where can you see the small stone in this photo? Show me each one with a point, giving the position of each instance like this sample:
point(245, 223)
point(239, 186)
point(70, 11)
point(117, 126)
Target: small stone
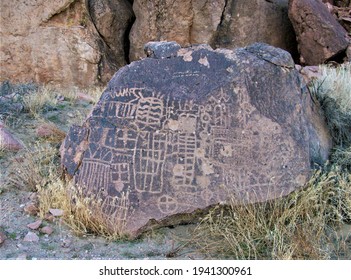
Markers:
point(35, 225)
point(161, 49)
point(60, 98)
point(348, 53)
point(47, 230)
point(49, 217)
point(70, 115)
point(22, 247)
point(56, 212)
point(310, 73)
point(48, 131)
point(2, 237)
point(30, 208)
point(84, 97)
point(8, 141)
point(66, 243)
point(22, 257)
point(31, 237)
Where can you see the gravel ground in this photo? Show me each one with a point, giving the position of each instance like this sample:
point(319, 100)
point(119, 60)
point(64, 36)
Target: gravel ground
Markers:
point(63, 244)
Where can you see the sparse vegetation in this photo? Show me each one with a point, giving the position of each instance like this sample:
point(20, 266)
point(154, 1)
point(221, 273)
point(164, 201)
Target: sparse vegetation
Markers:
point(303, 225)
point(37, 168)
point(35, 102)
point(83, 214)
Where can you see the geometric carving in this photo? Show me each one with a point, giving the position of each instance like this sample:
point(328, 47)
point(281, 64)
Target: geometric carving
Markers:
point(167, 204)
point(177, 135)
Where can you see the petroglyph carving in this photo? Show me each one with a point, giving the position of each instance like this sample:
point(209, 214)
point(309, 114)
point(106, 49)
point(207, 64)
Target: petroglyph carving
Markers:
point(197, 144)
point(186, 74)
point(120, 175)
point(149, 112)
point(93, 174)
point(167, 204)
point(188, 131)
point(149, 162)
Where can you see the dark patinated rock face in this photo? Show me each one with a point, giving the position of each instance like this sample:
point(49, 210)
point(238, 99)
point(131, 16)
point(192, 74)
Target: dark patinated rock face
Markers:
point(319, 35)
point(183, 132)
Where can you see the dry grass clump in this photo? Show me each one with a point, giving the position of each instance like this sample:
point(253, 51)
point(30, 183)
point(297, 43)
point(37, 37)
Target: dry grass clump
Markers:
point(73, 95)
point(333, 90)
point(37, 170)
point(33, 167)
point(2, 147)
point(94, 93)
point(342, 158)
point(35, 101)
point(302, 225)
point(84, 214)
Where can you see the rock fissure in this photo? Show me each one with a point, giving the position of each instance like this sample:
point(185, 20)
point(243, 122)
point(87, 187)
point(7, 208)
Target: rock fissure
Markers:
point(223, 13)
point(126, 45)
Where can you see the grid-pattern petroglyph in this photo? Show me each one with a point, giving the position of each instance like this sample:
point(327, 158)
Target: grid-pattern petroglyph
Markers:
point(149, 161)
point(179, 151)
point(120, 175)
point(93, 174)
point(149, 112)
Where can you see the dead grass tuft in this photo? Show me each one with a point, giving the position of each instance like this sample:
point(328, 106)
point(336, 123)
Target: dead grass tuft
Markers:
point(84, 214)
point(302, 225)
point(2, 147)
point(34, 167)
point(342, 158)
point(36, 101)
point(332, 90)
point(38, 170)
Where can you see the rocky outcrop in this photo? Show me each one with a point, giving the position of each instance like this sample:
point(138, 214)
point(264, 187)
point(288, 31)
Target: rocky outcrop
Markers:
point(320, 37)
point(186, 22)
point(248, 21)
point(113, 20)
point(189, 128)
point(343, 15)
point(84, 42)
point(57, 43)
point(223, 23)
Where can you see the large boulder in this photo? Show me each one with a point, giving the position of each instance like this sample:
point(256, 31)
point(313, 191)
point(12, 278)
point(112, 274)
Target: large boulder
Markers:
point(56, 42)
point(189, 128)
point(320, 36)
point(229, 24)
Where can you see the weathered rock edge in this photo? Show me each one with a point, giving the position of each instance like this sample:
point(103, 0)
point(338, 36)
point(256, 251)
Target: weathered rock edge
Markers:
point(277, 133)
